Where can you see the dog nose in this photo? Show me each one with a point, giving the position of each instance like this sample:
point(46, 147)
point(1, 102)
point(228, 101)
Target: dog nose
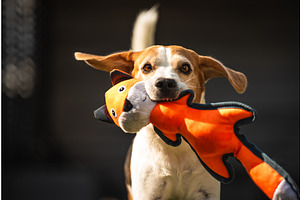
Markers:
point(165, 84)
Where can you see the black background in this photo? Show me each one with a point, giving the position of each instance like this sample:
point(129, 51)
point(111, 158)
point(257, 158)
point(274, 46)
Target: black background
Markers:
point(67, 154)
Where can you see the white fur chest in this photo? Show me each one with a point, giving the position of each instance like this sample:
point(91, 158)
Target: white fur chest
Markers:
point(160, 171)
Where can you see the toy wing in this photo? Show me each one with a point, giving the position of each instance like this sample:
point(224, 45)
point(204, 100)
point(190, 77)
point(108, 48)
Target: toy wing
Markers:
point(208, 128)
point(213, 132)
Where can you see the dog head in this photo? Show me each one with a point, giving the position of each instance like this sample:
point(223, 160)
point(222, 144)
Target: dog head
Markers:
point(168, 70)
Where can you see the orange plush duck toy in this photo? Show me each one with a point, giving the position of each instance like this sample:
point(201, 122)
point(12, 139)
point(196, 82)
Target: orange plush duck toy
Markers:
point(212, 130)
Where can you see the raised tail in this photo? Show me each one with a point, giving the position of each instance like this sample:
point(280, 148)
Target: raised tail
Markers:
point(144, 29)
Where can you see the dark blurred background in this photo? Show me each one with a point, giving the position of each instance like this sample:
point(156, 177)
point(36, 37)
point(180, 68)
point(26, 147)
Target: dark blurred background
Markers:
point(53, 148)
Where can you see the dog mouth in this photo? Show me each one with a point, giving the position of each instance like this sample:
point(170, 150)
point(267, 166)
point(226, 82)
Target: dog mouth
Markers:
point(162, 97)
point(163, 89)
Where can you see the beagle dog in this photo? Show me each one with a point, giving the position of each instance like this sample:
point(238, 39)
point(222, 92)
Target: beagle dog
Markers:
point(153, 169)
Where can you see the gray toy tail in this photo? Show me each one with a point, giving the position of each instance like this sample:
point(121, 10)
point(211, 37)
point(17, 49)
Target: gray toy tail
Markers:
point(102, 115)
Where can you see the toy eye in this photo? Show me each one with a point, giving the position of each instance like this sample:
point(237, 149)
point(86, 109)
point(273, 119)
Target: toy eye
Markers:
point(113, 113)
point(185, 68)
point(121, 89)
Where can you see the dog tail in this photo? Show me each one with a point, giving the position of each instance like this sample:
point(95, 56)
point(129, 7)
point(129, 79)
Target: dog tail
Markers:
point(144, 29)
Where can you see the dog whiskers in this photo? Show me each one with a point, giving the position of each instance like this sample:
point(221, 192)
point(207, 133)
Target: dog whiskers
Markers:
point(193, 87)
point(191, 78)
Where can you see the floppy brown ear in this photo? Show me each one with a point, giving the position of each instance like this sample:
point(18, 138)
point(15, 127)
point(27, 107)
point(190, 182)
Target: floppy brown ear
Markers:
point(123, 61)
point(213, 68)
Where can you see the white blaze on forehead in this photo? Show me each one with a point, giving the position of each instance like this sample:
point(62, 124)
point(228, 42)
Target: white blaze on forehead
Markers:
point(167, 59)
point(163, 57)
point(163, 62)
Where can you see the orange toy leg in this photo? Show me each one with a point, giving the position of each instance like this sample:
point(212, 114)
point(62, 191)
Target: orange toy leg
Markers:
point(264, 172)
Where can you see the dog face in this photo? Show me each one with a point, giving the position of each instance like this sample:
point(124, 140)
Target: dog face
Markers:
point(167, 70)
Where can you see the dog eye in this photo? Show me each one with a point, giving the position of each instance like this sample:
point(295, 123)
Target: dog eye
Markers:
point(185, 68)
point(121, 89)
point(113, 113)
point(147, 68)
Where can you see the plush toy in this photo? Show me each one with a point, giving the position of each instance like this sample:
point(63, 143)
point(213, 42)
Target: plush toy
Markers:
point(212, 130)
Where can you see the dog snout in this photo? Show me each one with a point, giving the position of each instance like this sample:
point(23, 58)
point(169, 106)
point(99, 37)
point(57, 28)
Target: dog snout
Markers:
point(165, 89)
point(165, 84)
